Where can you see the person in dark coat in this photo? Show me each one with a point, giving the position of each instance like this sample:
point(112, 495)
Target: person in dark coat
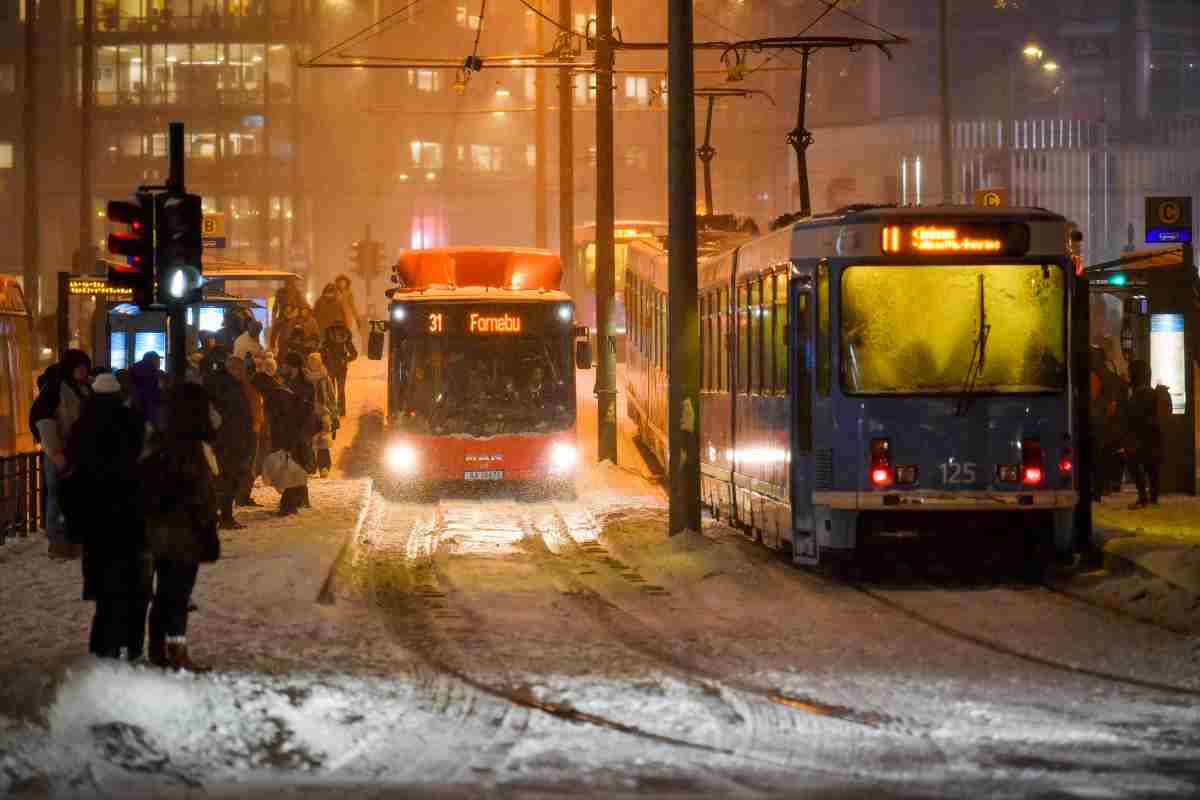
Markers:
point(104, 515)
point(179, 493)
point(337, 351)
point(54, 413)
point(329, 309)
point(235, 439)
point(309, 422)
point(145, 384)
point(1144, 443)
point(286, 414)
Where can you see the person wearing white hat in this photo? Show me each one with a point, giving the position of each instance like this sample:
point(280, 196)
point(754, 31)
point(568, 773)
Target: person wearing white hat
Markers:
point(103, 510)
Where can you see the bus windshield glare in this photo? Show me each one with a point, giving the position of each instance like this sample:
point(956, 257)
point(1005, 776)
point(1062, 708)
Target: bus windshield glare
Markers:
point(484, 386)
point(952, 329)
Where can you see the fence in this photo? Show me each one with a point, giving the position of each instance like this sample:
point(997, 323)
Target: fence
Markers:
point(22, 491)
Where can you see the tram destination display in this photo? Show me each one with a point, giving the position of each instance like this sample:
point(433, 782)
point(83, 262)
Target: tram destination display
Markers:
point(934, 239)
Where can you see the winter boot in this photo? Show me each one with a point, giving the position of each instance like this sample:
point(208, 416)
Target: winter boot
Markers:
point(178, 658)
point(156, 654)
point(230, 524)
point(303, 492)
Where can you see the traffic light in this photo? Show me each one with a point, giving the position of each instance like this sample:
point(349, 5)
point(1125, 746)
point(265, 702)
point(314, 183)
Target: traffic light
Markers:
point(365, 257)
point(136, 245)
point(178, 218)
point(1118, 279)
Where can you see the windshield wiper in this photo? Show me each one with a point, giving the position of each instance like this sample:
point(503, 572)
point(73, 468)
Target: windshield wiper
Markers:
point(977, 356)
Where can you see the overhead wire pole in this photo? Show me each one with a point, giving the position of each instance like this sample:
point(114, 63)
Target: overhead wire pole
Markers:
point(566, 161)
point(30, 237)
point(683, 319)
point(86, 101)
point(539, 142)
point(606, 357)
point(944, 90)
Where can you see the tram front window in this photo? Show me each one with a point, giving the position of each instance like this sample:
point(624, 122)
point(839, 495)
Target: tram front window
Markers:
point(484, 386)
point(952, 329)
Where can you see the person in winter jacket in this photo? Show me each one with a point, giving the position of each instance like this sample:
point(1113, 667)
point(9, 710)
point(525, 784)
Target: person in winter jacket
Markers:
point(254, 403)
point(325, 407)
point(179, 496)
point(292, 373)
point(54, 413)
point(286, 419)
point(287, 295)
point(103, 512)
point(1144, 442)
point(306, 322)
point(145, 388)
point(337, 351)
point(281, 330)
point(346, 291)
point(329, 309)
point(234, 443)
point(248, 345)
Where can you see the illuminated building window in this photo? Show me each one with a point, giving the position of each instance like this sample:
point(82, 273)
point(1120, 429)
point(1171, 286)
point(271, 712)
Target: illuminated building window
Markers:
point(6, 155)
point(531, 155)
point(635, 157)
point(637, 89)
point(530, 85)
point(487, 158)
point(465, 18)
point(585, 89)
point(425, 80)
point(8, 78)
point(426, 154)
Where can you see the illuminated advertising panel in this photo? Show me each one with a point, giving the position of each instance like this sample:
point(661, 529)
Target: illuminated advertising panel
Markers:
point(118, 355)
point(1168, 361)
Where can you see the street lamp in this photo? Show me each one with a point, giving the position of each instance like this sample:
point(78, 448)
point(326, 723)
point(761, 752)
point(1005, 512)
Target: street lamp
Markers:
point(1032, 51)
point(1050, 66)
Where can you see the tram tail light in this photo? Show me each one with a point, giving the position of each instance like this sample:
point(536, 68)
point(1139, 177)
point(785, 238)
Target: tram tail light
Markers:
point(1032, 468)
point(1067, 462)
point(881, 471)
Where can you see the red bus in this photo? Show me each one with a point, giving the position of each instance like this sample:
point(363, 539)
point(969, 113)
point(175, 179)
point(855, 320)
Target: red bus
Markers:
point(481, 363)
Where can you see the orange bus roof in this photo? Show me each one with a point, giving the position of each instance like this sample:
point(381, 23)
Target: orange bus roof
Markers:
point(509, 267)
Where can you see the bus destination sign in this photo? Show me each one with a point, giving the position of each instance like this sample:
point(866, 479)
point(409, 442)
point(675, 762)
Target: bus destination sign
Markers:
point(927, 238)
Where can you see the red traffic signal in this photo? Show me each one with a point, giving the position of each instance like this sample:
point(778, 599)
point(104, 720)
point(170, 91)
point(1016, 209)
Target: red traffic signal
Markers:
point(136, 245)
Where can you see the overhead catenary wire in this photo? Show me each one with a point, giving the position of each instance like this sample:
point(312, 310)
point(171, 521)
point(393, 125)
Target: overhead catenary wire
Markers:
point(552, 20)
point(363, 31)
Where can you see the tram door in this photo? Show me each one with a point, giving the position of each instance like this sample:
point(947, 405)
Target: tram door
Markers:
point(800, 383)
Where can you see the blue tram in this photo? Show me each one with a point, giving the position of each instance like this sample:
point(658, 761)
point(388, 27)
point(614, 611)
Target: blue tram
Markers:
point(877, 369)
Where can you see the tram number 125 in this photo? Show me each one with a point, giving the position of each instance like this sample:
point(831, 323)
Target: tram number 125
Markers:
point(437, 323)
point(958, 472)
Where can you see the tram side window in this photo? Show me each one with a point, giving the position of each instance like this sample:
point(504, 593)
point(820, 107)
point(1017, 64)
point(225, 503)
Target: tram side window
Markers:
point(723, 323)
point(823, 329)
point(743, 340)
point(703, 341)
point(708, 349)
point(779, 340)
point(635, 311)
point(662, 326)
point(767, 305)
point(803, 412)
point(754, 319)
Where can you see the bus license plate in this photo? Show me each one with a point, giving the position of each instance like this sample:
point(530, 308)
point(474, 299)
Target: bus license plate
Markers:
point(484, 475)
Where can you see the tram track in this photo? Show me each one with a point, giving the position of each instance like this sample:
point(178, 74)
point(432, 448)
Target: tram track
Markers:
point(1001, 648)
point(429, 617)
point(581, 529)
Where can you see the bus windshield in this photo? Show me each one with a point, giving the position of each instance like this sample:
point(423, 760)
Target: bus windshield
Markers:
point(952, 329)
point(484, 386)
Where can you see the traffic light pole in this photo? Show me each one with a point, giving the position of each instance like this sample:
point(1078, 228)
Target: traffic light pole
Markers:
point(176, 313)
point(606, 358)
point(683, 320)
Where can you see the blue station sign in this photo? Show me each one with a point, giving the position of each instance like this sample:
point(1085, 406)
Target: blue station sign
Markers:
point(1168, 220)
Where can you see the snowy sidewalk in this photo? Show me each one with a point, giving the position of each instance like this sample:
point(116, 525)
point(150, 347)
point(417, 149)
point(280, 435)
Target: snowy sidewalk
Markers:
point(257, 604)
point(1151, 561)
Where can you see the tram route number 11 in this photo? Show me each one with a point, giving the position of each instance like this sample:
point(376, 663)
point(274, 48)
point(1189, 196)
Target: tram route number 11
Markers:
point(958, 472)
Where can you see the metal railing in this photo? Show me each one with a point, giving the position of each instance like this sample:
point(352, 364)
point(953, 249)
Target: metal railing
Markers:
point(22, 494)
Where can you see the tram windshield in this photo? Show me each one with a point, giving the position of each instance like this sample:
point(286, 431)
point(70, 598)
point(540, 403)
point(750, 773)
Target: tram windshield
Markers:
point(484, 386)
point(953, 329)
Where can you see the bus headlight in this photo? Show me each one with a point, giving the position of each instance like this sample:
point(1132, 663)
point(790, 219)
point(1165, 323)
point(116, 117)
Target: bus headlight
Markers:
point(401, 458)
point(562, 457)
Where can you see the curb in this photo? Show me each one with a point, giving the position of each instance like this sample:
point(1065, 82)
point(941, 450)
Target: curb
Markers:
point(1174, 562)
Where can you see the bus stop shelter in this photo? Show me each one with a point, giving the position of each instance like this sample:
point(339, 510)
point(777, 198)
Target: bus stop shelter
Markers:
point(1144, 306)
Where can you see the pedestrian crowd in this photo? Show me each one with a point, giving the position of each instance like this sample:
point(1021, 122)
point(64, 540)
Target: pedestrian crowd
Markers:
point(1127, 420)
point(143, 470)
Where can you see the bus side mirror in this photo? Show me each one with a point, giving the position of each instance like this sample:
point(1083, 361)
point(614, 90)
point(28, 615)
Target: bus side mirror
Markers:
point(375, 340)
point(583, 354)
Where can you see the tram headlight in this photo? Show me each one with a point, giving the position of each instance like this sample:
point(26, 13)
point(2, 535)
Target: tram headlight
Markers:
point(399, 313)
point(564, 313)
point(401, 458)
point(562, 457)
